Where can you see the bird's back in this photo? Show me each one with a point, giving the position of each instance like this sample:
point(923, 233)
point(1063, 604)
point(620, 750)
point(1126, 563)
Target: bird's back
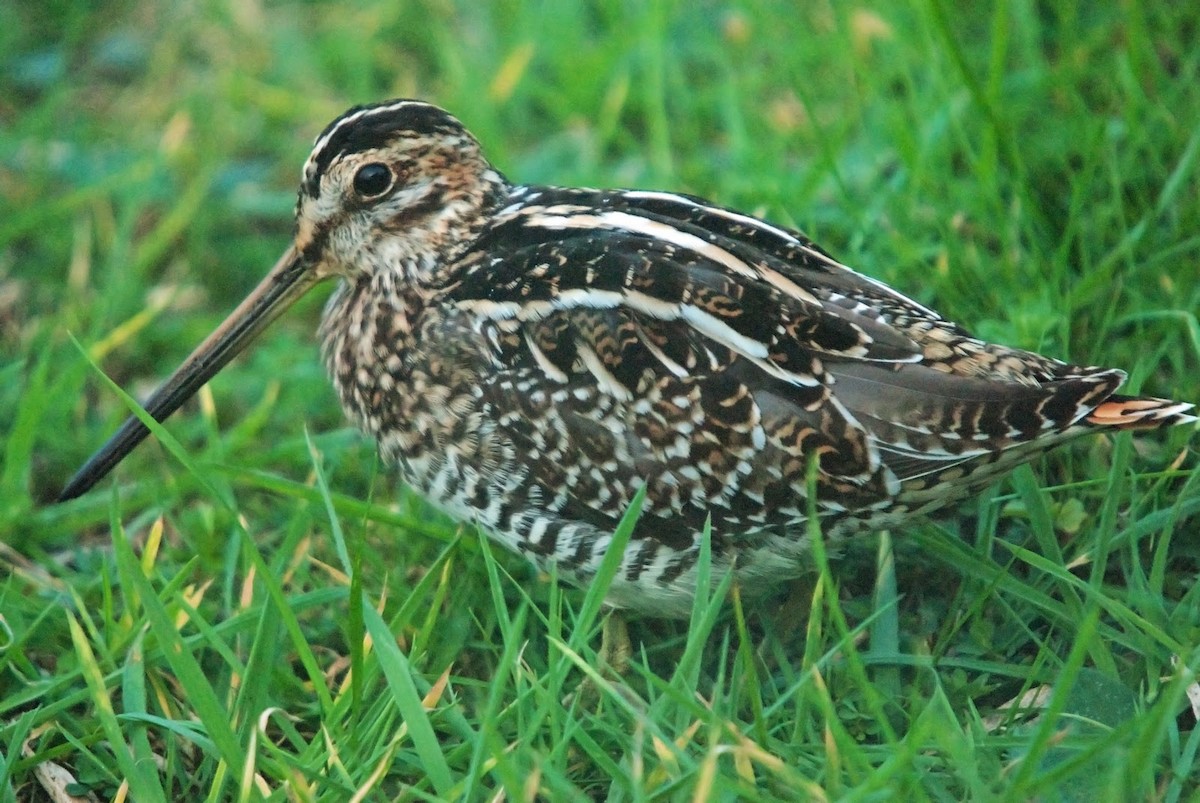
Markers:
point(589, 342)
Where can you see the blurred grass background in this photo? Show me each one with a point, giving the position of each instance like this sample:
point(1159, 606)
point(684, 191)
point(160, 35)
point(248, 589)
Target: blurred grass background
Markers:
point(1029, 169)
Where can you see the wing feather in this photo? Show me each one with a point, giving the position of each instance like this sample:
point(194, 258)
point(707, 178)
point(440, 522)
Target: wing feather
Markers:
point(650, 338)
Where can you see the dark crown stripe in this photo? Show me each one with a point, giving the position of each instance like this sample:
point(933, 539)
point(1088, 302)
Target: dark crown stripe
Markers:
point(363, 128)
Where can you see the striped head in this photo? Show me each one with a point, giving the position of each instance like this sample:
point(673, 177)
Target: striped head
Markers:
point(394, 186)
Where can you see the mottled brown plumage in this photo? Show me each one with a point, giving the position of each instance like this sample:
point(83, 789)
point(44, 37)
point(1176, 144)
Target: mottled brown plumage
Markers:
point(528, 357)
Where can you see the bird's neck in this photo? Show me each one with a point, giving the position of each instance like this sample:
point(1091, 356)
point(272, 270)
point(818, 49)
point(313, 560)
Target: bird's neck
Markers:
point(424, 253)
point(366, 333)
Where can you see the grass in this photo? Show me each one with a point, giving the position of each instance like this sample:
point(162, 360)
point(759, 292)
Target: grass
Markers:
point(254, 608)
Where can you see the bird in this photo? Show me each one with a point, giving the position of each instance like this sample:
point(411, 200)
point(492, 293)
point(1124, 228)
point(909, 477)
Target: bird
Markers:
point(530, 358)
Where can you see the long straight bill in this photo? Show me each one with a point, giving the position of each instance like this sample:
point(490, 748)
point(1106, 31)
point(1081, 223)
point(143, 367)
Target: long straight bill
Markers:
point(288, 280)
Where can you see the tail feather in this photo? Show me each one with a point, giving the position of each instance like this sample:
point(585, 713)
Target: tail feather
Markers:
point(1140, 412)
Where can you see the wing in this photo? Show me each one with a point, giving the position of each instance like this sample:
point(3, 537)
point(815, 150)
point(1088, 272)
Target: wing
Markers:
point(640, 337)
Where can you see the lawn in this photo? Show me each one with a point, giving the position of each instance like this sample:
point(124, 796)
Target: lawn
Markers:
point(255, 608)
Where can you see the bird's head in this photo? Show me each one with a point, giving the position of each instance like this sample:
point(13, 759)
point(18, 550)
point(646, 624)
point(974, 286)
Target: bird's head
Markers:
point(396, 187)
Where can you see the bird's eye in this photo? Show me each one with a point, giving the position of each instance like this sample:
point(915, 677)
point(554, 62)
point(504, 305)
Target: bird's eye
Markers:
point(373, 180)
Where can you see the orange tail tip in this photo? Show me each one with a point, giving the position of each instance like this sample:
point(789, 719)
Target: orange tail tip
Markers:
point(1123, 412)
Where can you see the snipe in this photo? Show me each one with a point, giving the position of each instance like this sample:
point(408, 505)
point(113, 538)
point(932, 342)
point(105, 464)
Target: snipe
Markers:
point(529, 356)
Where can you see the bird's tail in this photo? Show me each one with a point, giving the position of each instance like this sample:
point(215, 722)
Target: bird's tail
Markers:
point(1140, 412)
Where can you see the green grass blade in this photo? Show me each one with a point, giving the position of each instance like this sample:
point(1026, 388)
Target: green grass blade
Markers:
point(403, 689)
point(206, 704)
